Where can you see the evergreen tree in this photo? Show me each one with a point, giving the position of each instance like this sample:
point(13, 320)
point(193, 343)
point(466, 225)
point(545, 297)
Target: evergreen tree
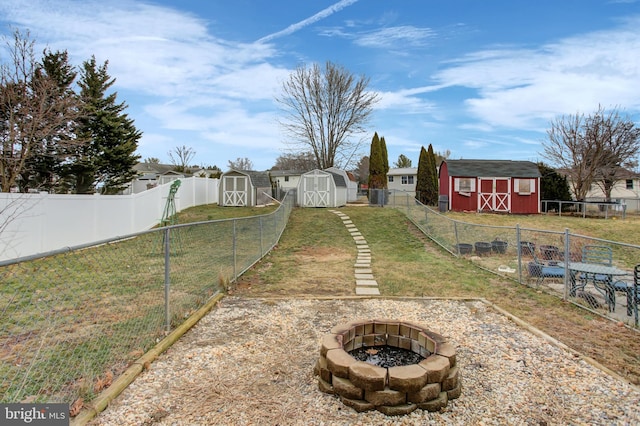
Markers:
point(422, 180)
point(385, 160)
point(432, 178)
point(47, 157)
point(108, 159)
point(376, 165)
point(553, 186)
point(403, 162)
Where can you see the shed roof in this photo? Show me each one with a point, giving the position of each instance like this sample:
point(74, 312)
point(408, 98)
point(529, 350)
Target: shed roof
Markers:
point(338, 179)
point(499, 168)
point(258, 179)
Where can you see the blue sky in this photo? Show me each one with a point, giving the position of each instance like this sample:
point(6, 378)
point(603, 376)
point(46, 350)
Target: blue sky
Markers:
point(482, 79)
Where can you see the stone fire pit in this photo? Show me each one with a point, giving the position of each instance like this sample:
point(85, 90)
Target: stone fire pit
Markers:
point(427, 385)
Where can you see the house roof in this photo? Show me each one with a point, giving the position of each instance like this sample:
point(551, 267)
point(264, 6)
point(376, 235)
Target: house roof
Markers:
point(404, 171)
point(498, 168)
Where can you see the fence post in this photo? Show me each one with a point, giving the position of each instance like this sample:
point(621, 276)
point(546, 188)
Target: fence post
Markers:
point(455, 235)
point(167, 280)
point(261, 248)
point(519, 251)
point(233, 248)
point(567, 259)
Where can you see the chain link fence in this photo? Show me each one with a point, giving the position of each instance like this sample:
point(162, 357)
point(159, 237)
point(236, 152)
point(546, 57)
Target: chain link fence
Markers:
point(72, 320)
point(597, 274)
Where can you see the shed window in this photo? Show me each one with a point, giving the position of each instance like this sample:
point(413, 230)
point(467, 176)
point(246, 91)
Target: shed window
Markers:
point(286, 178)
point(525, 186)
point(464, 185)
point(629, 183)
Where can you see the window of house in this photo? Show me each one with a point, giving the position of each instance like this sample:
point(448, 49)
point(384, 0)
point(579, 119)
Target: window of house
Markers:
point(286, 178)
point(629, 183)
point(390, 178)
point(405, 181)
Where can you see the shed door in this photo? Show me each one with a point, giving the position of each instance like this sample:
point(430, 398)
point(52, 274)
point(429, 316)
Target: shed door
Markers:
point(494, 195)
point(316, 190)
point(235, 190)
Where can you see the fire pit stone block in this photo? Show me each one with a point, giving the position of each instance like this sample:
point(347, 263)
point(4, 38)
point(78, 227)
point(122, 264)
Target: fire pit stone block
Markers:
point(397, 410)
point(385, 397)
point(396, 390)
point(427, 393)
point(344, 387)
point(368, 376)
point(435, 404)
point(407, 378)
point(437, 368)
point(338, 362)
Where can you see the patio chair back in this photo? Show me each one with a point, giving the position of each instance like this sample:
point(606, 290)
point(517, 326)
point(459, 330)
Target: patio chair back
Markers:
point(601, 255)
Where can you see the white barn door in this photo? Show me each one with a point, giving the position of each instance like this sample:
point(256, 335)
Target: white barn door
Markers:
point(235, 192)
point(316, 190)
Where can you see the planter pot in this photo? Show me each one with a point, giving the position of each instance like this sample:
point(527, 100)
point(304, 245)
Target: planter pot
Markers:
point(463, 248)
point(483, 248)
point(499, 246)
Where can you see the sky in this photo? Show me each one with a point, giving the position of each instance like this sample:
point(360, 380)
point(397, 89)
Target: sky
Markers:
point(482, 79)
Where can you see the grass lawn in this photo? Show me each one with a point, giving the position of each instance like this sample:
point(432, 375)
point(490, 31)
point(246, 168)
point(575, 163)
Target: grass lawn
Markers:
point(315, 257)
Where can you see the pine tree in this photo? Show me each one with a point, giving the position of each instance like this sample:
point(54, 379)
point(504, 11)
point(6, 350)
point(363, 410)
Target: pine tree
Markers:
point(432, 178)
point(376, 165)
point(385, 160)
point(46, 158)
point(422, 180)
point(108, 159)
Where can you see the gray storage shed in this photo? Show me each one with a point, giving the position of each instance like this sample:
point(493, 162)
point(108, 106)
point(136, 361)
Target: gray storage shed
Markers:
point(240, 188)
point(319, 188)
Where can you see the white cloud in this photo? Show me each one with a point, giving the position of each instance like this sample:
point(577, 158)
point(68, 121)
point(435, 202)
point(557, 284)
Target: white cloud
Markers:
point(401, 37)
point(519, 88)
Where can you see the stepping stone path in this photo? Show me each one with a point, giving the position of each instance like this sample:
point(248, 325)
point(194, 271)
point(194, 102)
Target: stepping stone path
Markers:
point(366, 285)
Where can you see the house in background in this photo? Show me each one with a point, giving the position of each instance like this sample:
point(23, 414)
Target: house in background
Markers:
point(285, 180)
point(320, 188)
point(403, 179)
point(244, 188)
point(503, 186)
point(150, 175)
point(628, 187)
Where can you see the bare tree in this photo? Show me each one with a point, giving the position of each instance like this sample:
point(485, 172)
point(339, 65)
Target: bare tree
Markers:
point(591, 149)
point(621, 142)
point(241, 164)
point(324, 109)
point(33, 109)
point(181, 156)
point(302, 162)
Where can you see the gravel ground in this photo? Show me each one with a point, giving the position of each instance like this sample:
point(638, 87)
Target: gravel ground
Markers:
point(250, 362)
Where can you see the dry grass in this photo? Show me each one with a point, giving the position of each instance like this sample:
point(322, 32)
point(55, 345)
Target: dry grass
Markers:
point(405, 263)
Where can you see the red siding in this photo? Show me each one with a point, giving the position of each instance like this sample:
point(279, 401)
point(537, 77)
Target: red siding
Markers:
point(520, 204)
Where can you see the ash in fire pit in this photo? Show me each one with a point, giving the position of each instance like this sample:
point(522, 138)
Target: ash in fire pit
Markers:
point(391, 366)
point(386, 356)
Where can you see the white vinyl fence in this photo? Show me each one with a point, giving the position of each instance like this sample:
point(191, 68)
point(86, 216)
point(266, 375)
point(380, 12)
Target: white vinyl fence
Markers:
point(38, 223)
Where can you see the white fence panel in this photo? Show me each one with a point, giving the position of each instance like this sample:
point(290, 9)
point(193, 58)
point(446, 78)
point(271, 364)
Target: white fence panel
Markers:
point(37, 223)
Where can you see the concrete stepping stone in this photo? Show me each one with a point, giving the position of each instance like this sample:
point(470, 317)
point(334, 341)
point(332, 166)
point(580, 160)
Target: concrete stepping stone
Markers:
point(367, 291)
point(363, 271)
point(366, 282)
point(364, 277)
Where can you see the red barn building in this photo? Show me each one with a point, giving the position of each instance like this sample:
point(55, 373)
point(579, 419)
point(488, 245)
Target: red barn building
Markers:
point(503, 186)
